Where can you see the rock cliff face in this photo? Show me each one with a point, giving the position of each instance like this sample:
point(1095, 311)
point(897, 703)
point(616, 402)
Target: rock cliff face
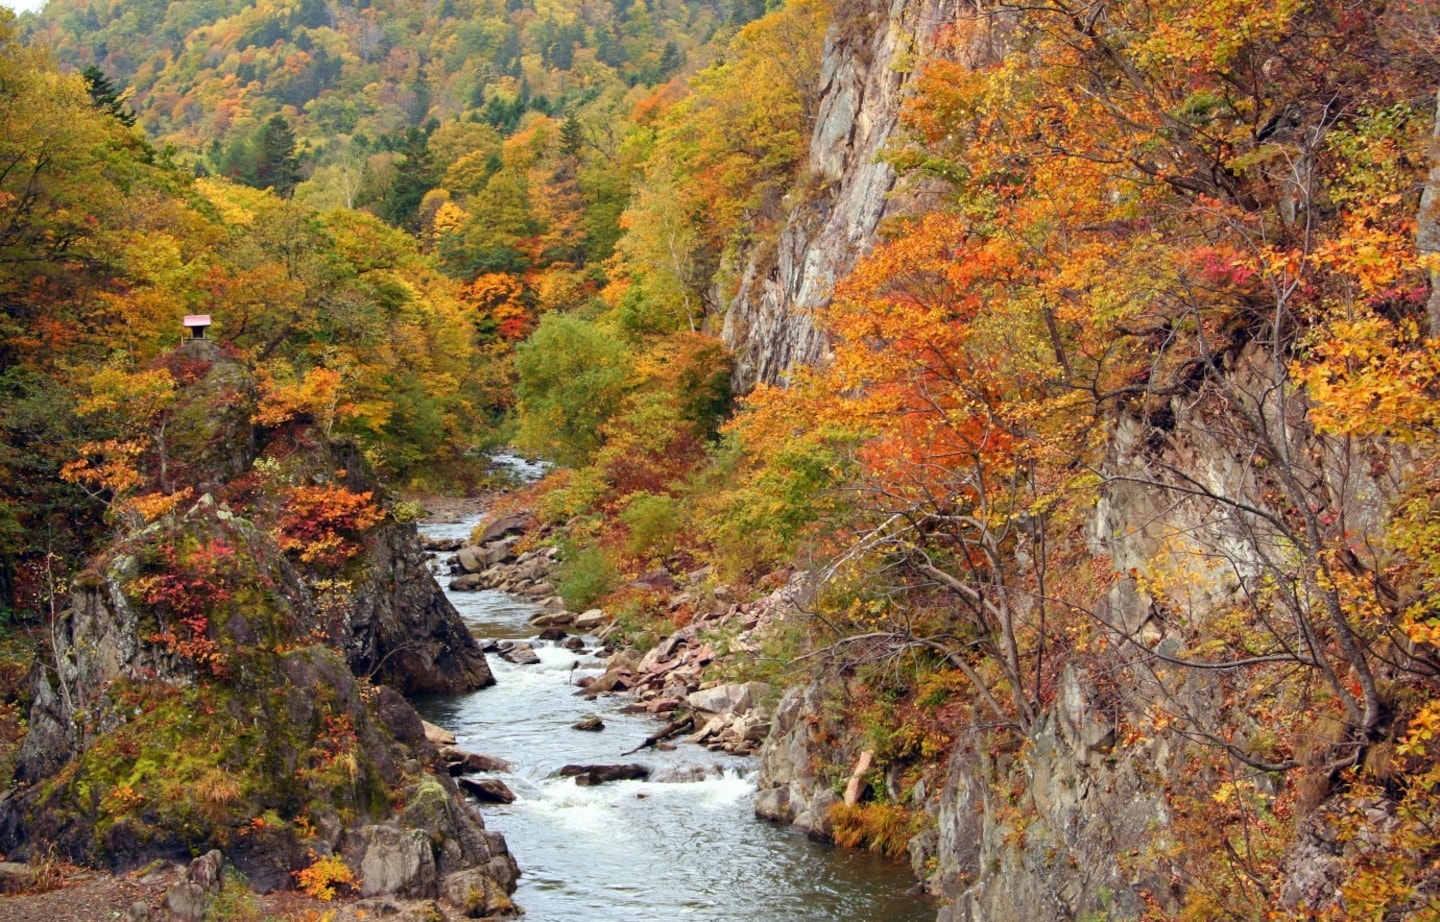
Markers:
point(392, 621)
point(790, 790)
point(1427, 236)
point(1068, 819)
point(770, 323)
point(1067, 822)
point(400, 629)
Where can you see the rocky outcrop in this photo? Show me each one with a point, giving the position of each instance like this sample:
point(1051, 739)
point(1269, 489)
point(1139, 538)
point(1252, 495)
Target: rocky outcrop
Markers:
point(170, 719)
point(790, 788)
point(770, 322)
point(400, 628)
point(1427, 233)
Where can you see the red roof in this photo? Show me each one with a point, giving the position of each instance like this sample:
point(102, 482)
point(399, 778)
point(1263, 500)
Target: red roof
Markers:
point(197, 320)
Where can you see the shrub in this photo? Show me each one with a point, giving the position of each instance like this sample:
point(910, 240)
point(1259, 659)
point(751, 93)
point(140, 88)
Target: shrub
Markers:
point(324, 875)
point(884, 828)
point(321, 524)
point(586, 574)
point(653, 521)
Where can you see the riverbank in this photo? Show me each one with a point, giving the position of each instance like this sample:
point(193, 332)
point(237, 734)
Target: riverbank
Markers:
point(678, 837)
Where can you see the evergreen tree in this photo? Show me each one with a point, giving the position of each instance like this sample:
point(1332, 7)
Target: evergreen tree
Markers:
point(415, 174)
point(276, 166)
point(572, 136)
point(105, 97)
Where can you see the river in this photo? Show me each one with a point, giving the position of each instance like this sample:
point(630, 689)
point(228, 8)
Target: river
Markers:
point(640, 850)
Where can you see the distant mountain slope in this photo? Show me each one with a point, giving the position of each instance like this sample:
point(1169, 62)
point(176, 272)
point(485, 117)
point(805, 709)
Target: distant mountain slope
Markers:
point(204, 72)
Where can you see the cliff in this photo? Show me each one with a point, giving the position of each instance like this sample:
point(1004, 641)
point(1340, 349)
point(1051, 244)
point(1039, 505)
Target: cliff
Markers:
point(869, 60)
point(1222, 724)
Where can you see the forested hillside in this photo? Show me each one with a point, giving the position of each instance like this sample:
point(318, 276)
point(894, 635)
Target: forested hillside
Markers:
point(1110, 469)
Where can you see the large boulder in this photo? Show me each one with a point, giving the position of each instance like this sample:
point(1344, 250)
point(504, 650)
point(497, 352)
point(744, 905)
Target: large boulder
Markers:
point(731, 700)
point(397, 861)
point(476, 896)
point(505, 525)
point(519, 653)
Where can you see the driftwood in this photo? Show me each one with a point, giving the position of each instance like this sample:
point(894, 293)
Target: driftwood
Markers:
point(857, 778)
point(674, 728)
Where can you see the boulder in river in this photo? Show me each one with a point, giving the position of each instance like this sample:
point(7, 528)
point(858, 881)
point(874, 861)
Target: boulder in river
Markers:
point(591, 775)
point(519, 653)
point(552, 619)
point(469, 582)
point(487, 790)
point(461, 762)
point(592, 620)
point(437, 735)
point(471, 559)
point(591, 723)
point(687, 774)
point(613, 680)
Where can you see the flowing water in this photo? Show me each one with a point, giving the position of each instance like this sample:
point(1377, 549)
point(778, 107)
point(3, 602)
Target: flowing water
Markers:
point(684, 844)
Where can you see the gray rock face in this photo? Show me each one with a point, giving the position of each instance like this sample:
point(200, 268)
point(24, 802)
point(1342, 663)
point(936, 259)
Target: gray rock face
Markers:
point(397, 861)
point(1091, 805)
point(770, 323)
point(401, 627)
point(789, 789)
point(1427, 235)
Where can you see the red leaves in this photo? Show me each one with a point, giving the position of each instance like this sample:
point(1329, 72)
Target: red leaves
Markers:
point(191, 582)
point(321, 524)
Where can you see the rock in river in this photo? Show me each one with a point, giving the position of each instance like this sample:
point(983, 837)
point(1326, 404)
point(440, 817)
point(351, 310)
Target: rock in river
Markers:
point(519, 653)
point(487, 790)
point(591, 775)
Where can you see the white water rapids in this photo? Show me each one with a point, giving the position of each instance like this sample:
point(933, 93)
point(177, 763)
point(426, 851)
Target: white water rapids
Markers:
point(639, 850)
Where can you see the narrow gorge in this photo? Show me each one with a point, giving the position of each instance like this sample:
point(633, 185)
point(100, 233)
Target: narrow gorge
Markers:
point(962, 461)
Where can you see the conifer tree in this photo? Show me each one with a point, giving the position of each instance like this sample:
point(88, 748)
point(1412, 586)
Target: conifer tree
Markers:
point(276, 166)
point(414, 176)
point(105, 97)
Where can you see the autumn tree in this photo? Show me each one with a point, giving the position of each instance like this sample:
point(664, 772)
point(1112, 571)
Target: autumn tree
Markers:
point(573, 376)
